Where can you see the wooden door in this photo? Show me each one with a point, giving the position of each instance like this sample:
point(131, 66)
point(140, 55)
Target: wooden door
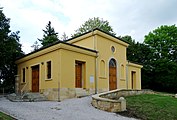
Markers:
point(112, 75)
point(78, 74)
point(112, 78)
point(35, 78)
point(133, 79)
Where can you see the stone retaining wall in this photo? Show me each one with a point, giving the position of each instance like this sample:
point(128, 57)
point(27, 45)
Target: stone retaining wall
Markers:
point(60, 94)
point(113, 101)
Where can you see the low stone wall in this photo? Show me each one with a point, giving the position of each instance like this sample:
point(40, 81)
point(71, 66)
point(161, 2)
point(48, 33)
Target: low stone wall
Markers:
point(108, 104)
point(113, 101)
point(116, 94)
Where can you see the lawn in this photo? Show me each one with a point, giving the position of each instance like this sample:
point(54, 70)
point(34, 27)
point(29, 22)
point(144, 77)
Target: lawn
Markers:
point(151, 107)
point(5, 117)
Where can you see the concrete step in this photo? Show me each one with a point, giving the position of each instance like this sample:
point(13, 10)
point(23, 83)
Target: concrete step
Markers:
point(27, 97)
point(14, 98)
point(33, 97)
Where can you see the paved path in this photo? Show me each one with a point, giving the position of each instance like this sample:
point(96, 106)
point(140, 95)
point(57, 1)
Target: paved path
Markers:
point(71, 109)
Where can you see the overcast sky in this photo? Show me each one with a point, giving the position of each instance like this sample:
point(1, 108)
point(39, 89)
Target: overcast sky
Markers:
point(127, 17)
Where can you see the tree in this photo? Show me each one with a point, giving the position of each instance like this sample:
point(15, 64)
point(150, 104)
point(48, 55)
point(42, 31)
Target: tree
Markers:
point(35, 46)
point(50, 36)
point(163, 44)
point(64, 37)
point(128, 39)
point(93, 23)
point(137, 52)
point(158, 55)
point(10, 49)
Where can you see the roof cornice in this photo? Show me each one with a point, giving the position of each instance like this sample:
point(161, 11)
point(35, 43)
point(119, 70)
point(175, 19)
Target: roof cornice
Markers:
point(134, 65)
point(61, 45)
point(99, 33)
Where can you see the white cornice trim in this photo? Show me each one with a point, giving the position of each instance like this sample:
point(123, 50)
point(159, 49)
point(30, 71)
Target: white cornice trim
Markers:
point(134, 65)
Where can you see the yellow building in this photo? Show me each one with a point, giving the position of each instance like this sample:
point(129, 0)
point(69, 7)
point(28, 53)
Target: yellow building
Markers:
point(90, 63)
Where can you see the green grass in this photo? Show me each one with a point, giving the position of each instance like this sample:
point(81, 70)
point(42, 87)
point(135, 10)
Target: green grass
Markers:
point(151, 107)
point(5, 117)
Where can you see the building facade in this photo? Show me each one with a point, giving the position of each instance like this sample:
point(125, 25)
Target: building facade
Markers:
point(90, 63)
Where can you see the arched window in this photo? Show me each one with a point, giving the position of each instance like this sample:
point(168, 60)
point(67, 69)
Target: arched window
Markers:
point(112, 63)
point(122, 71)
point(102, 68)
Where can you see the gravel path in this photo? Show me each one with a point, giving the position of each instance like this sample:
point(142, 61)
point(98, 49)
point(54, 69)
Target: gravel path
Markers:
point(71, 109)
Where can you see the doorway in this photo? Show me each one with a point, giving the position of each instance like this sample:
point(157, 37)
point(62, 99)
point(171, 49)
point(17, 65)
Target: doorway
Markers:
point(133, 75)
point(78, 74)
point(35, 78)
point(112, 74)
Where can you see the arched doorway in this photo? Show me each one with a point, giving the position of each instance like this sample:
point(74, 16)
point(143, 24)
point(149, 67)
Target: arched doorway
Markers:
point(112, 74)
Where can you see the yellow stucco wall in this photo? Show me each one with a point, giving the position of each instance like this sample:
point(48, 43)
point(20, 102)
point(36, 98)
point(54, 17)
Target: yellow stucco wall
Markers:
point(67, 68)
point(131, 67)
point(102, 42)
point(41, 61)
point(105, 53)
point(63, 58)
point(87, 42)
point(95, 65)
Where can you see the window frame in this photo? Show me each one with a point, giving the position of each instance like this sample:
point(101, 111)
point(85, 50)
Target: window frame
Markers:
point(112, 63)
point(113, 49)
point(23, 75)
point(47, 70)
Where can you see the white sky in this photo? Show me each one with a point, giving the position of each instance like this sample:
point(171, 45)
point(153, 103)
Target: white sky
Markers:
point(127, 17)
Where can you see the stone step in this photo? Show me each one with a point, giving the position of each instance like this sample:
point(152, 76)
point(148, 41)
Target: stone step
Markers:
point(80, 92)
point(33, 97)
point(27, 97)
point(14, 98)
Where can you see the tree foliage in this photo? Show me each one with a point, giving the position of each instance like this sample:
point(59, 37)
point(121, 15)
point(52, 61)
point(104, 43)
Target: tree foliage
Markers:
point(50, 36)
point(10, 49)
point(35, 46)
point(64, 37)
point(137, 52)
point(163, 44)
point(93, 23)
point(158, 56)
